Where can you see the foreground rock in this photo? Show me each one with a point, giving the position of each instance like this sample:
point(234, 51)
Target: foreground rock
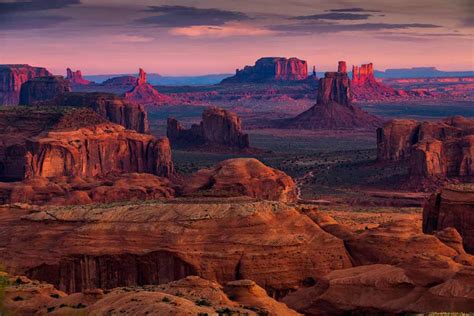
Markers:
point(11, 79)
point(271, 69)
point(242, 176)
point(75, 77)
point(155, 243)
point(452, 206)
point(219, 129)
point(188, 296)
point(334, 109)
point(42, 89)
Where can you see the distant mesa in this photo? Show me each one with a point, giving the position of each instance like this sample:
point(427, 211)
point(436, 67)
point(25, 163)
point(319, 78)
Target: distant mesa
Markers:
point(219, 128)
point(334, 109)
point(433, 150)
point(11, 79)
point(144, 93)
point(121, 81)
point(75, 77)
point(43, 88)
point(363, 73)
point(271, 69)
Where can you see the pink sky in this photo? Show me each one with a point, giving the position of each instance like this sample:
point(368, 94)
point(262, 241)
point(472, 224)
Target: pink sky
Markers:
point(202, 37)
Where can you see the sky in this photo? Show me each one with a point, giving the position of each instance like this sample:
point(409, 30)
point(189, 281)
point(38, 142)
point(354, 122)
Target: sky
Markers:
point(195, 37)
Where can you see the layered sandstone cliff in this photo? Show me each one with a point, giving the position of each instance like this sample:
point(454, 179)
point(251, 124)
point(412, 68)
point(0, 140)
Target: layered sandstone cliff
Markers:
point(452, 206)
point(271, 69)
point(219, 128)
point(334, 109)
point(11, 79)
point(75, 77)
point(42, 89)
point(433, 149)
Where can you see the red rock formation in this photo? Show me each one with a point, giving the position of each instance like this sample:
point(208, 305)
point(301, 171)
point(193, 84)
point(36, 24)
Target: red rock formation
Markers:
point(42, 89)
point(334, 109)
point(341, 67)
point(121, 81)
point(144, 93)
point(396, 138)
point(75, 77)
point(242, 177)
point(452, 206)
point(110, 106)
point(362, 74)
point(141, 77)
point(11, 79)
point(219, 128)
point(153, 243)
point(271, 69)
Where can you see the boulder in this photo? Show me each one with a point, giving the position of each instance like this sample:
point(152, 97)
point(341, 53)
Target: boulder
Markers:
point(42, 89)
point(271, 69)
point(11, 79)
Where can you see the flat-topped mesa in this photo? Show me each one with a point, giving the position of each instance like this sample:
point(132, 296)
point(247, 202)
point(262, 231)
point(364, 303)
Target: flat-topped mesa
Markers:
point(271, 69)
point(11, 79)
point(362, 74)
point(42, 89)
point(218, 128)
point(75, 77)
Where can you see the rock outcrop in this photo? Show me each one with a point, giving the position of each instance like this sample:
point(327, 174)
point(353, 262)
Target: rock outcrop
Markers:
point(189, 296)
point(334, 109)
point(110, 106)
point(433, 149)
point(11, 79)
point(144, 93)
point(157, 242)
point(271, 69)
point(75, 77)
point(42, 89)
point(452, 206)
point(363, 74)
point(242, 177)
point(121, 81)
point(219, 128)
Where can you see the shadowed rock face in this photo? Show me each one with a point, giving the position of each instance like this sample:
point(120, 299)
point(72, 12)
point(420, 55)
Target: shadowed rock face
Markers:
point(75, 77)
point(43, 89)
point(219, 128)
point(452, 206)
point(433, 149)
point(242, 176)
point(270, 69)
point(11, 79)
point(334, 109)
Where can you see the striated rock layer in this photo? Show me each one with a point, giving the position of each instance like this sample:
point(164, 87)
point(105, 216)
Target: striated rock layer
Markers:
point(43, 88)
point(11, 79)
point(452, 206)
point(271, 69)
point(155, 243)
point(218, 128)
point(75, 77)
point(334, 109)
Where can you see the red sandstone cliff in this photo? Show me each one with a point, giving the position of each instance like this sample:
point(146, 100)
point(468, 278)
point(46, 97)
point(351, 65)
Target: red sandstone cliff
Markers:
point(75, 77)
point(11, 79)
point(219, 128)
point(42, 89)
point(270, 69)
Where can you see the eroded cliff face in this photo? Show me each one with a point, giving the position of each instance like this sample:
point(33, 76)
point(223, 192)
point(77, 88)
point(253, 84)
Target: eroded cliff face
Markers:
point(96, 150)
point(433, 149)
point(43, 89)
point(271, 69)
point(219, 128)
point(11, 79)
point(452, 206)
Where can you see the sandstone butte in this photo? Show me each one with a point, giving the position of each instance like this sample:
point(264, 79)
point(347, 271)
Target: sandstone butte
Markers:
point(452, 206)
point(318, 266)
point(440, 149)
point(76, 143)
point(145, 94)
point(43, 88)
point(271, 69)
point(334, 109)
point(218, 128)
point(75, 77)
point(189, 296)
point(11, 79)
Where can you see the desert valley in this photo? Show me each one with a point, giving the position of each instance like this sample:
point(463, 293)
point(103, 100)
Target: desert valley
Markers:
point(275, 190)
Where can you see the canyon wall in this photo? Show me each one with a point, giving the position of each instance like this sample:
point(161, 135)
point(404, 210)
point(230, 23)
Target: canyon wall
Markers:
point(42, 89)
point(11, 79)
